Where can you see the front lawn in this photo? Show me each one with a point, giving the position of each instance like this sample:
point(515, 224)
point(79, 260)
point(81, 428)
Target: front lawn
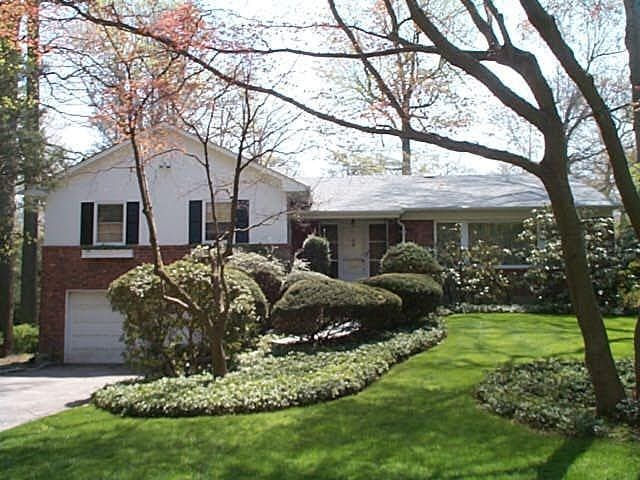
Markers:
point(419, 421)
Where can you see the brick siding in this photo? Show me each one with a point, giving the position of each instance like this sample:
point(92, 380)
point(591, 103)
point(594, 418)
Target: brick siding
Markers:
point(63, 269)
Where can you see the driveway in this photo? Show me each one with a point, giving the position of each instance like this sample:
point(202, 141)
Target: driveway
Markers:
point(32, 394)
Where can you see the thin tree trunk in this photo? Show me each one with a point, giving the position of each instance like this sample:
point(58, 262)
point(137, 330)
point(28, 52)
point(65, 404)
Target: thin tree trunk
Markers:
point(406, 156)
point(218, 357)
point(406, 152)
point(608, 388)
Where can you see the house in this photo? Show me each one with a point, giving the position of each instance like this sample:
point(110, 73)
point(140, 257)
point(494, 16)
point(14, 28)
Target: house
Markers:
point(95, 229)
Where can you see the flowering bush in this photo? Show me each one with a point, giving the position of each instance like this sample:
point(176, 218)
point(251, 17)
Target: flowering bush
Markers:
point(473, 275)
point(161, 337)
point(609, 260)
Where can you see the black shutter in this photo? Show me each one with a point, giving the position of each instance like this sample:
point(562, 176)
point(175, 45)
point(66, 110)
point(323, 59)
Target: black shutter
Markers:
point(195, 222)
point(86, 223)
point(242, 222)
point(133, 223)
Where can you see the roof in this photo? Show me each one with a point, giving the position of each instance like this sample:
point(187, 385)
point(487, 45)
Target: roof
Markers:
point(399, 194)
point(289, 184)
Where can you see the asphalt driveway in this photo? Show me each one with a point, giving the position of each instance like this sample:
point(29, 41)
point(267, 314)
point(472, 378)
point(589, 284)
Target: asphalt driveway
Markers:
point(32, 394)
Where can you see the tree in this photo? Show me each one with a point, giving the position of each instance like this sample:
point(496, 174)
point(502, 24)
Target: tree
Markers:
point(32, 169)
point(419, 88)
point(632, 39)
point(136, 86)
point(492, 47)
point(9, 112)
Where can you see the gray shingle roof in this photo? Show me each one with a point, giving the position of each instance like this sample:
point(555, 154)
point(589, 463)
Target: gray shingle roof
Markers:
point(402, 193)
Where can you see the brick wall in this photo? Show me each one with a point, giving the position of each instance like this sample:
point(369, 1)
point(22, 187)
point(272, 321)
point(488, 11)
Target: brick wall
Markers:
point(64, 269)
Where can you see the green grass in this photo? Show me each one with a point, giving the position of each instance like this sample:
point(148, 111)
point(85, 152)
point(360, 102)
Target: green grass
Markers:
point(419, 421)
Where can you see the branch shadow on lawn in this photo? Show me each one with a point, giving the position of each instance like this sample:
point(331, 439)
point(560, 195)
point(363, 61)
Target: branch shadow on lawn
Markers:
point(390, 433)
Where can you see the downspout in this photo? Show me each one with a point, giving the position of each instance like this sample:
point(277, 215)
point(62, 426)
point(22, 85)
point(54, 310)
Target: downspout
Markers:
point(403, 228)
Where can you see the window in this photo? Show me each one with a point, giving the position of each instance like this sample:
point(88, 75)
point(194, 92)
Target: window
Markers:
point(330, 232)
point(110, 223)
point(453, 235)
point(223, 216)
point(378, 244)
point(504, 235)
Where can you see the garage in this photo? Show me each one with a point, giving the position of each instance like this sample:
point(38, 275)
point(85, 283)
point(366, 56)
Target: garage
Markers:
point(93, 330)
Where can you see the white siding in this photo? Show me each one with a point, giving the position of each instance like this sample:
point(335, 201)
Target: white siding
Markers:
point(113, 179)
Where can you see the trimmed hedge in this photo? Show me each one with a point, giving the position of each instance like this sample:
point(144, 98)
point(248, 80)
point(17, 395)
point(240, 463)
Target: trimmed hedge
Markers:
point(555, 395)
point(299, 275)
point(311, 306)
point(315, 251)
point(420, 293)
point(265, 381)
point(409, 257)
point(267, 271)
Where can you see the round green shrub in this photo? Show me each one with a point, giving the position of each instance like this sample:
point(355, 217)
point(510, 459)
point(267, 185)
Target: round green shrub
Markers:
point(420, 293)
point(161, 337)
point(25, 338)
point(315, 251)
point(267, 271)
point(267, 381)
point(299, 275)
point(409, 257)
point(311, 306)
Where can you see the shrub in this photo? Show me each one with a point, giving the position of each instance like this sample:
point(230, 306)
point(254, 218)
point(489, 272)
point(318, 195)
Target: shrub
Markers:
point(25, 338)
point(420, 293)
point(609, 260)
point(161, 337)
point(267, 271)
point(299, 275)
point(409, 257)
point(265, 381)
point(552, 395)
point(473, 275)
point(311, 306)
point(315, 251)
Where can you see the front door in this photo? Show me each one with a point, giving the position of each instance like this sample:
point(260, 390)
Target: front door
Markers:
point(353, 250)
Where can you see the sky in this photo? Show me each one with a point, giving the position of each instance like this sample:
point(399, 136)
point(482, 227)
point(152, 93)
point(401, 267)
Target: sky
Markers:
point(74, 133)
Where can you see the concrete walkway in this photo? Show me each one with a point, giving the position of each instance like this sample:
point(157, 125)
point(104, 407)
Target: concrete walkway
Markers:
point(32, 394)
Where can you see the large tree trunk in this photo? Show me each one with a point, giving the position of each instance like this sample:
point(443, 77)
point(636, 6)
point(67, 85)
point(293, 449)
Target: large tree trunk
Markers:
point(32, 152)
point(636, 349)
point(8, 174)
point(598, 358)
point(29, 267)
point(632, 40)
point(9, 70)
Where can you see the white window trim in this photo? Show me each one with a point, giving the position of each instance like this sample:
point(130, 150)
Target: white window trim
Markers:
point(95, 223)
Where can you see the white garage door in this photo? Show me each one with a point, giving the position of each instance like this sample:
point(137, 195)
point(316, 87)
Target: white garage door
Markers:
point(93, 330)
